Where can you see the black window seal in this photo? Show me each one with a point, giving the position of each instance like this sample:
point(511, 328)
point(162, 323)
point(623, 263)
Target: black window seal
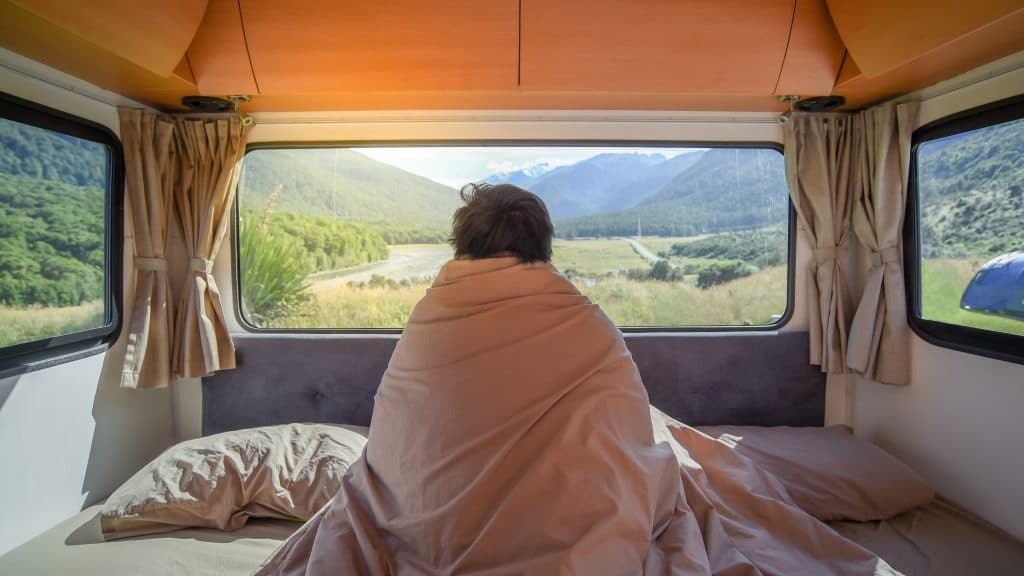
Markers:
point(47, 352)
point(987, 343)
point(277, 145)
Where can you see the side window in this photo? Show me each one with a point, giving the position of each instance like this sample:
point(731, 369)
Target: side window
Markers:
point(968, 267)
point(59, 233)
point(669, 237)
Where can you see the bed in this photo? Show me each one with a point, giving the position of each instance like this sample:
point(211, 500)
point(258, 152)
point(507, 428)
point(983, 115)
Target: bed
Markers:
point(934, 540)
point(76, 546)
point(939, 539)
point(690, 382)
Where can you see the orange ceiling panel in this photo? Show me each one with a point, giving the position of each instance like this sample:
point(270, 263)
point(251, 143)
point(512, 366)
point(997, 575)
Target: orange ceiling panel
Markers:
point(37, 38)
point(814, 54)
point(882, 34)
point(688, 46)
point(218, 54)
point(986, 44)
point(152, 35)
point(381, 45)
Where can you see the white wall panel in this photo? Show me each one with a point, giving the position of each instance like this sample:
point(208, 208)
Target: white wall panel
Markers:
point(68, 434)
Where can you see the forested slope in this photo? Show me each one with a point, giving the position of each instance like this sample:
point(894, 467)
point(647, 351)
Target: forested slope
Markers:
point(51, 217)
point(972, 192)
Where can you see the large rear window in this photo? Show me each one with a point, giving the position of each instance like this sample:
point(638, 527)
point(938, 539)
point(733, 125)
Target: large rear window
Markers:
point(659, 237)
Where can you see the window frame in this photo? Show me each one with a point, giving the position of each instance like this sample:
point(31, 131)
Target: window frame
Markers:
point(987, 343)
point(610, 143)
point(54, 350)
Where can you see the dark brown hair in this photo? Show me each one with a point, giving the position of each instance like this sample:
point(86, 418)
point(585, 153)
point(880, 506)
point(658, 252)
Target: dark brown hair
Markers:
point(501, 219)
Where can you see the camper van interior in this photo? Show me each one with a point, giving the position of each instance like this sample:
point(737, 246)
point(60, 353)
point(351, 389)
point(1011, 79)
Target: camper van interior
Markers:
point(767, 319)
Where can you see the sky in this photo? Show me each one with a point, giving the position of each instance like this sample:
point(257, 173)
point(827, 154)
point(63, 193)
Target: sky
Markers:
point(457, 166)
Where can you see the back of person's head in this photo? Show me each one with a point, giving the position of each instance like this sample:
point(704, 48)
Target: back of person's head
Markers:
point(501, 219)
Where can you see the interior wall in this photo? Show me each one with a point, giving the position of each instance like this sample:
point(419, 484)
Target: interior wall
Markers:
point(957, 422)
point(68, 434)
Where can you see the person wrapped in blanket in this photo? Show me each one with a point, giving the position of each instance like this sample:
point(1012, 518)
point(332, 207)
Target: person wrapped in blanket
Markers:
point(511, 434)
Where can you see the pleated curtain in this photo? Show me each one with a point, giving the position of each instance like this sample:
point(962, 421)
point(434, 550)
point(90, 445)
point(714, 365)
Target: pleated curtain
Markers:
point(820, 159)
point(210, 154)
point(879, 345)
point(151, 166)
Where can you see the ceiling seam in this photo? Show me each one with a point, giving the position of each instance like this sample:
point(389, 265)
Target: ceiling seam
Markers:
point(248, 52)
point(519, 48)
point(785, 53)
point(191, 70)
point(839, 71)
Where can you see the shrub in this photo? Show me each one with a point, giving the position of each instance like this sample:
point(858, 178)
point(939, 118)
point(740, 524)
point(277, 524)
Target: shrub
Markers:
point(273, 273)
point(763, 247)
point(660, 271)
point(715, 274)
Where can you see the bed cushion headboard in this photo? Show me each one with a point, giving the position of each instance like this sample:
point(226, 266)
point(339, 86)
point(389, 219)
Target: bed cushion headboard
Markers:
point(753, 379)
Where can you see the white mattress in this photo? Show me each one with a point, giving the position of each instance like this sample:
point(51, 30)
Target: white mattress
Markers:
point(934, 540)
point(76, 546)
point(939, 539)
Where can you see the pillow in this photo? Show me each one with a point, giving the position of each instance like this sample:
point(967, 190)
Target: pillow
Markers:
point(829, 472)
point(288, 471)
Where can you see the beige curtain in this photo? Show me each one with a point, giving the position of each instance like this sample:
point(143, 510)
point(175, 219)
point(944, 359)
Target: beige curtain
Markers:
point(879, 337)
point(150, 168)
point(819, 167)
point(210, 153)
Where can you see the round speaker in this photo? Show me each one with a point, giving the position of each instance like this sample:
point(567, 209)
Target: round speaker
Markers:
point(820, 103)
point(207, 104)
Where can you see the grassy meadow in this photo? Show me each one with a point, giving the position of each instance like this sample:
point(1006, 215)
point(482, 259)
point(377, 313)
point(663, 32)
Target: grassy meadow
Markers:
point(943, 281)
point(598, 268)
point(19, 325)
point(595, 256)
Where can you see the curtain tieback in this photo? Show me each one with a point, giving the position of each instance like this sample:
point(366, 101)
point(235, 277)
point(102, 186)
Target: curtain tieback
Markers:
point(201, 265)
point(885, 256)
point(153, 264)
point(825, 253)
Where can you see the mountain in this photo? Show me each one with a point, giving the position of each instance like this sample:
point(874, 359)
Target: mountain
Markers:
point(343, 184)
point(588, 186)
point(972, 192)
point(603, 183)
point(524, 178)
point(724, 189)
point(649, 181)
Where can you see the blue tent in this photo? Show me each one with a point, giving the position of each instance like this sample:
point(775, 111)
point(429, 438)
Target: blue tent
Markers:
point(998, 288)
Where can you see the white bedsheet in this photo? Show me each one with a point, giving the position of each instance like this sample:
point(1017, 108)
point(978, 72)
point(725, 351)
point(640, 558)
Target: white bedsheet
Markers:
point(76, 546)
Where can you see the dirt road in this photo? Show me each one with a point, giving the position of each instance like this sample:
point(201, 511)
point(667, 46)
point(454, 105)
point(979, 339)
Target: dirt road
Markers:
point(405, 262)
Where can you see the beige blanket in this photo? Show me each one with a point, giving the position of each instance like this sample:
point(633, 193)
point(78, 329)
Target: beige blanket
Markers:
point(512, 435)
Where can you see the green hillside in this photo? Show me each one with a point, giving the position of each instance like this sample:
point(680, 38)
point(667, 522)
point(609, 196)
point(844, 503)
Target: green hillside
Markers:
point(726, 189)
point(51, 242)
point(37, 153)
point(972, 193)
point(51, 217)
point(763, 247)
point(325, 243)
point(344, 185)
